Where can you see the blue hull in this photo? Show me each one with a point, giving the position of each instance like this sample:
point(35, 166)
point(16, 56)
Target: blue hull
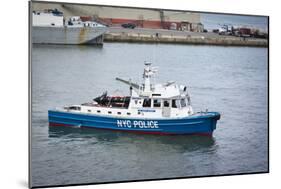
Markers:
point(198, 124)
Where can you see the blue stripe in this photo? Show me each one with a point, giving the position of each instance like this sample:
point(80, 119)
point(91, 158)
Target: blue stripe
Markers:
point(192, 124)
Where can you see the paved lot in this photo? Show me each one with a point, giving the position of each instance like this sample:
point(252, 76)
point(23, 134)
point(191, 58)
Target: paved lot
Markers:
point(149, 31)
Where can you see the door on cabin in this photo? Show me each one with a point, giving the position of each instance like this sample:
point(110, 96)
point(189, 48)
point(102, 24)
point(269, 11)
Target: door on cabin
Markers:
point(166, 110)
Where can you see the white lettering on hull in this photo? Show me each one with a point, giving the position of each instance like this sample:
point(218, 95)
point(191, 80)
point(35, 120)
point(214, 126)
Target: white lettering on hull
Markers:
point(138, 124)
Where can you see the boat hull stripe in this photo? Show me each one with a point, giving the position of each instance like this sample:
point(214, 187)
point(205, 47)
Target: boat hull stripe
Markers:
point(190, 125)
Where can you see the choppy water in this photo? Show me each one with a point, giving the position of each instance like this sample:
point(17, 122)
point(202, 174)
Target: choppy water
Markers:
point(231, 80)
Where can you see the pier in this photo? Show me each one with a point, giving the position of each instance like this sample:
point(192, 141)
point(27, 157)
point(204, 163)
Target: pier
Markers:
point(140, 35)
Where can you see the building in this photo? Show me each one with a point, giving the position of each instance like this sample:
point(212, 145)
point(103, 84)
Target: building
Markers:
point(115, 16)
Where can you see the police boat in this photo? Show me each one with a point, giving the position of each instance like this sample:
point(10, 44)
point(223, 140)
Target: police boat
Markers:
point(150, 108)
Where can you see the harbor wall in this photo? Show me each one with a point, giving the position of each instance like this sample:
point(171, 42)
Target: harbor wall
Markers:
point(200, 40)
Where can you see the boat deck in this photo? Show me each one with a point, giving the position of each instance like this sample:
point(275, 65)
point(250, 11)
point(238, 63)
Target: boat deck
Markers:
point(110, 105)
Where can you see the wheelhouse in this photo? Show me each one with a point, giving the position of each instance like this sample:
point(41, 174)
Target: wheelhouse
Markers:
point(177, 102)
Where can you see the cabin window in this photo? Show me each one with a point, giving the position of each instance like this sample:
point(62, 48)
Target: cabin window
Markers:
point(128, 113)
point(157, 103)
point(183, 102)
point(89, 110)
point(109, 112)
point(175, 103)
point(119, 113)
point(74, 108)
point(98, 111)
point(166, 103)
point(147, 102)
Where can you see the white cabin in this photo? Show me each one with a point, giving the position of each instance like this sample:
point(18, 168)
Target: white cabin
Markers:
point(47, 19)
point(54, 18)
point(148, 100)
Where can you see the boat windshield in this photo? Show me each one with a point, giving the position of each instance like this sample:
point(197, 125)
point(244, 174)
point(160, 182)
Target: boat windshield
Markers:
point(156, 103)
point(147, 102)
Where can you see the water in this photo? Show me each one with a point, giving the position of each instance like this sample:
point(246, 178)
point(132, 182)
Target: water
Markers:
point(230, 80)
point(215, 21)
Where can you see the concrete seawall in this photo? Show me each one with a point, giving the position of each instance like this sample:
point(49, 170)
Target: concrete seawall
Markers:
point(188, 39)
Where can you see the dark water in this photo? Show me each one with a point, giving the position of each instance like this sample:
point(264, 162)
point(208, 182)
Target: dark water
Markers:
point(215, 21)
point(231, 80)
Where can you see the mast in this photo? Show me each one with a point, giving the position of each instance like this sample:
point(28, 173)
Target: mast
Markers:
point(147, 73)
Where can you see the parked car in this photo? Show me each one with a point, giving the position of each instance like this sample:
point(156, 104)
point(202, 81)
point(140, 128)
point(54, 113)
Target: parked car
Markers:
point(129, 25)
point(215, 30)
